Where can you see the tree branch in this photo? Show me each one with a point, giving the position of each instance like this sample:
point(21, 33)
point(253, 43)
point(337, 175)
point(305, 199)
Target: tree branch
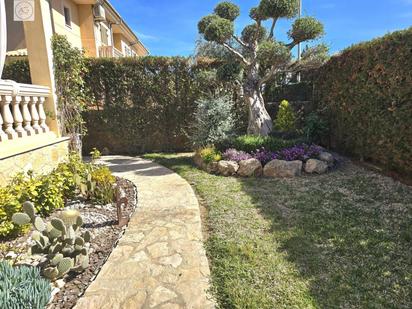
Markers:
point(237, 39)
point(235, 52)
point(272, 29)
point(268, 75)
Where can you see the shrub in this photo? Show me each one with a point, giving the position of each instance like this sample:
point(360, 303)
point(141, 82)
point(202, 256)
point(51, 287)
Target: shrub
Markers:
point(213, 120)
point(23, 287)
point(365, 95)
point(285, 118)
point(251, 143)
point(48, 192)
point(9, 204)
point(104, 192)
point(18, 70)
point(210, 154)
point(315, 127)
point(235, 155)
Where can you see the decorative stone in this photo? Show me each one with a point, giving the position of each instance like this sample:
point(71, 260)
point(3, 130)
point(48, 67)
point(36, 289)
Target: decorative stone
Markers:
point(198, 160)
point(174, 260)
point(227, 168)
point(327, 157)
point(161, 295)
point(250, 167)
point(212, 167)
point(316, 166)
point(281, 168)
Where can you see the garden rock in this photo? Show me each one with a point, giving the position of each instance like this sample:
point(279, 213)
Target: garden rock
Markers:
point(327, 157)
point(227, 168)
point(249, 168)
point(198, 160)
point(212, 167)
point(316, 166)
point(281, 168)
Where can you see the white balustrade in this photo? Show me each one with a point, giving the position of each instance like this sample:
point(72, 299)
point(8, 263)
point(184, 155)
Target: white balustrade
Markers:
point(22, 111)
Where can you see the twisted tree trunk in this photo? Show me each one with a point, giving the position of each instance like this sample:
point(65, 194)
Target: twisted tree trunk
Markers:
point(260, 122)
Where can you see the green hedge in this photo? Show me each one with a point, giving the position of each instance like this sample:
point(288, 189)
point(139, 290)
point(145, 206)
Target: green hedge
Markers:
point(366, 95)
point(18, 71)
point(145, 104)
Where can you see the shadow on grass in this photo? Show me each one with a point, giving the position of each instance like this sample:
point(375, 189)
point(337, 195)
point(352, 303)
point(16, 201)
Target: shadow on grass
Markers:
point(348, 232)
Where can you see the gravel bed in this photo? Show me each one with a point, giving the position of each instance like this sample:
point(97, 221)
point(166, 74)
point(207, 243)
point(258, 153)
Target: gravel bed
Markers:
point(101, 221)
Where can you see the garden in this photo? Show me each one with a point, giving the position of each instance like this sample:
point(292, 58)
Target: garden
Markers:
point(288, 159)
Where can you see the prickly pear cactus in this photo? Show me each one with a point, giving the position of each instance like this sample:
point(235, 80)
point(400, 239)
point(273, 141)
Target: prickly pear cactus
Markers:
point(59, 240)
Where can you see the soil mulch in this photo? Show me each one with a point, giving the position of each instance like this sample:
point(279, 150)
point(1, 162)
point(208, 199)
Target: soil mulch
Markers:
point(102, 222)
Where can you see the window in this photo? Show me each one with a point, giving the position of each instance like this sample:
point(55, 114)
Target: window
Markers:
point(67, 17)
point(104, 34)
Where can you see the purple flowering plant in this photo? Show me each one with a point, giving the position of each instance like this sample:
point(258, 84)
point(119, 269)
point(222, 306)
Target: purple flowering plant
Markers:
point(264, 156)
point(236, 155)
point(299, 152)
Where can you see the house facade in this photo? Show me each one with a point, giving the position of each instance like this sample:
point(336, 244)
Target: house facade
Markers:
point(92, 25)
point(30, 137)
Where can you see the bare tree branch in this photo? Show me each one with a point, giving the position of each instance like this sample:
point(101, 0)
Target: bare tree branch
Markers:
point(272, 29)
point(268, 75)
point(235, 52)
point(237, 39)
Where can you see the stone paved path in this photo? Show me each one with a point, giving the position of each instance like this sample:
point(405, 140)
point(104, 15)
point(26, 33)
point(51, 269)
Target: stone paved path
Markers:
point(160, 262)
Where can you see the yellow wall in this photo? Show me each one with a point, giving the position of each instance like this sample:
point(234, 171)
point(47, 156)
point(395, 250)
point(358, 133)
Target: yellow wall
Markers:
point(41, 161)
point(87, 29)
point(73, 33)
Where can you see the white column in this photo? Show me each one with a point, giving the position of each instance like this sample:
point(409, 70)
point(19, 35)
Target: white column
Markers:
point(3, 36)
point(26, 116)
point(8, 116)
point(42, 115)
point(18, 118)
point(35, 115)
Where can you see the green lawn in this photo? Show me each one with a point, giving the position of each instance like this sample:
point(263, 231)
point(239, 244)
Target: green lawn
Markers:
point(340, 240)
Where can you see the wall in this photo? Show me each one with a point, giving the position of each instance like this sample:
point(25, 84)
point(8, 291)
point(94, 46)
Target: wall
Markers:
point(73, 33)
point(41, 160)
point(86, 20)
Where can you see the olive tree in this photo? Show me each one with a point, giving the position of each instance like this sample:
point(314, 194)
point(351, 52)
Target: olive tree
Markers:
point(259, 55)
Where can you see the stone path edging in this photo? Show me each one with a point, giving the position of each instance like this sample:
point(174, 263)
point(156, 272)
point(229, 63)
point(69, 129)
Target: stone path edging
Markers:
point(160, 262)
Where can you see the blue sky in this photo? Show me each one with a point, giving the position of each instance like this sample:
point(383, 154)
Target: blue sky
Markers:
point(169, 27)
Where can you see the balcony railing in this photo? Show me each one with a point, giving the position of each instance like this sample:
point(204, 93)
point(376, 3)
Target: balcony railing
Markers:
point(110, 52)
point(22, 110)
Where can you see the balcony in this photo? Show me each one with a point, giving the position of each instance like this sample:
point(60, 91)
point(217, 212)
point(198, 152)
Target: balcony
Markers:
point(110, 52)
point(23, 118)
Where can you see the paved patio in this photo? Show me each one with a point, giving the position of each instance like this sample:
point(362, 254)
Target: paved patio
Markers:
point(160, 262)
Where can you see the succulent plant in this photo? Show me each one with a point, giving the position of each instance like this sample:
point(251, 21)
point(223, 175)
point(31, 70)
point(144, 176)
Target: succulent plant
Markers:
point(23, 287)
point(59, 240)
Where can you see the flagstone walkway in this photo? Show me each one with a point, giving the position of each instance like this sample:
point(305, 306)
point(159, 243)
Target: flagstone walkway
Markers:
point(160, 261)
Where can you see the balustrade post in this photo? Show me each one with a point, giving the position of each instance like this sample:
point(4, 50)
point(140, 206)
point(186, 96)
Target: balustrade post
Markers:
point(8, 116)
point(42, 115)
point(35, 115)
point(18, 118)
point(26, 116)
point(3, 136)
